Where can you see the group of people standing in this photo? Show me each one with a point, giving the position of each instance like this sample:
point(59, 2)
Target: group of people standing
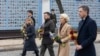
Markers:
point(87, 32)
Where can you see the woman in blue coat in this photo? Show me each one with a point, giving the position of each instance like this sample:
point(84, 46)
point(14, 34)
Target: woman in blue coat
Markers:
point(29, 44)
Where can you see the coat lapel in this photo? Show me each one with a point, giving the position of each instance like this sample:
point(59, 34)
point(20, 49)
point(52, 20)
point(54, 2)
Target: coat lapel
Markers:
point(81, 27)
point(63, 30)
point(64, 27)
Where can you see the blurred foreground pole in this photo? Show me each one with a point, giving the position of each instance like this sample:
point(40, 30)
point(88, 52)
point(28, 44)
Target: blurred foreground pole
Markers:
point(60, 6)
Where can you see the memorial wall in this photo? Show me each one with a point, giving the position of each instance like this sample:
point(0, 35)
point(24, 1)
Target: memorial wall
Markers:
point(14, 12)
point(71, 8)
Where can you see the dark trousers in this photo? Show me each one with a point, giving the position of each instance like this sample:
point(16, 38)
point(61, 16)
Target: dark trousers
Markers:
point(24, 53)
point(50, 49)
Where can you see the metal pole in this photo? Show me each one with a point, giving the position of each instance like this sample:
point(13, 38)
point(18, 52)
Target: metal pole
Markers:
point(60, 6)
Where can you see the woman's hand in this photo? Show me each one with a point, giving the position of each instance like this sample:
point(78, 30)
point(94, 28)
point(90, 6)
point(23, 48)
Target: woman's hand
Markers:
point(59, 41)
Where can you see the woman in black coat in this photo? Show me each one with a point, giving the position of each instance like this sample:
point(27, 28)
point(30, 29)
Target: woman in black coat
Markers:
point(29, 44)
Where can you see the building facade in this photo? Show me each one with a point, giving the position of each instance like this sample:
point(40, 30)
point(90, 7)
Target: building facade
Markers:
point(14, 12)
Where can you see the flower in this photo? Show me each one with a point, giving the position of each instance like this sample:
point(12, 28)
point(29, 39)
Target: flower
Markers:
point(39, 33)
point(63, 44)
point(23, 32)
point(73, 35)
point(58, 38)
point(40, 30)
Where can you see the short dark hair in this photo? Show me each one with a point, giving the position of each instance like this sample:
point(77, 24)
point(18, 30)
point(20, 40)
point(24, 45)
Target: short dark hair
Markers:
point(52, 10)
point(30, 11)
point(47, 13)
point(85, 8)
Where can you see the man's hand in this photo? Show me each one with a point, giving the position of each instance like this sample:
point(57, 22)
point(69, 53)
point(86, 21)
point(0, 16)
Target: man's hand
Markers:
point(78, 47)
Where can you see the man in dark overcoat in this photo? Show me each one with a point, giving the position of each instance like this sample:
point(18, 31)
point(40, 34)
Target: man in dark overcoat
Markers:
point(87, 32)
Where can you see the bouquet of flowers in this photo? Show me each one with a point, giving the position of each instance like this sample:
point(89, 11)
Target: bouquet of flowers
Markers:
point(73, 34)
point(58, 38)
point(23, 31)
point(39, 31)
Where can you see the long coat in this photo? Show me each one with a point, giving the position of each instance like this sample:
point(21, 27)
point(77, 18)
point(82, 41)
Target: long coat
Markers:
point(64, 50)
point(34, 22)
point(30, 44)
point(86, 37)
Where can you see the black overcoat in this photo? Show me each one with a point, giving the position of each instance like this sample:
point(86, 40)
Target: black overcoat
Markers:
point(87, 35)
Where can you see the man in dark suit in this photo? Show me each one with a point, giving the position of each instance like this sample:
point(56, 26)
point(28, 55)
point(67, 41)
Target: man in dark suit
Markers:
point(47, 42)
point(30, 14)
point(87, 32)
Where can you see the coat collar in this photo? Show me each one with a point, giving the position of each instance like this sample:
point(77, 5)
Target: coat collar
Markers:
point(47, 20)
point(87, 18)
point(64, 27)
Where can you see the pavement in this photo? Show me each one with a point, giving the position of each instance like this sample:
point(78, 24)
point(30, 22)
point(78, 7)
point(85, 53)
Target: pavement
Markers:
point(17, 44)
point(31, 53)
